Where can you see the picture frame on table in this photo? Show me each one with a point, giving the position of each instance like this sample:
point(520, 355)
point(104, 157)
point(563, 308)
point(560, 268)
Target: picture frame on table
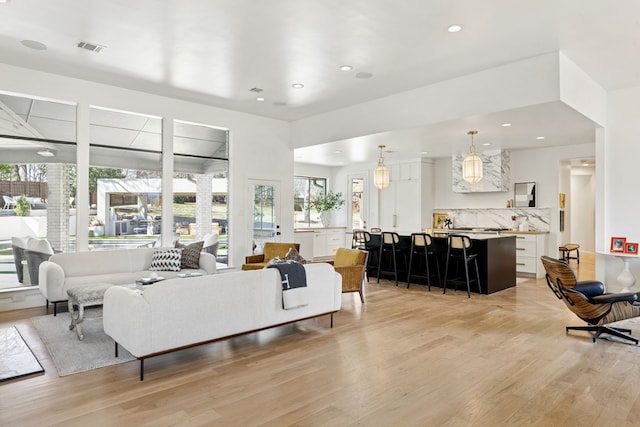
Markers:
point(439, 220)
point(617, 244)
point(631, 248)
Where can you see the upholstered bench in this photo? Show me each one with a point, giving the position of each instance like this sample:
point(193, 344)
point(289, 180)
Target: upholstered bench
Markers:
point(81, 297)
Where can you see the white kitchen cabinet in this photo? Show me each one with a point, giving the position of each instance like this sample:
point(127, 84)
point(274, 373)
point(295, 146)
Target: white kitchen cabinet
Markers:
point(320, 242)
point(400, 208)
point(327, 241)
point(305, 239)
point(529, 248)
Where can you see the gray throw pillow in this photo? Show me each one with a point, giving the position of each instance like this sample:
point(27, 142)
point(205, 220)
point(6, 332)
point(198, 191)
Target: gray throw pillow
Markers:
point(294, 255)
point(191, 254)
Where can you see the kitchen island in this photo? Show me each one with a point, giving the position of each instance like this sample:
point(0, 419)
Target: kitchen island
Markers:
point(496, 258)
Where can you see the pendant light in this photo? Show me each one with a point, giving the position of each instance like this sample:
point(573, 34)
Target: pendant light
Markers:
point(381, 174)
point(472, 164)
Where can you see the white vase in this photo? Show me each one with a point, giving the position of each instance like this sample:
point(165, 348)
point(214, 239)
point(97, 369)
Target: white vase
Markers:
point(325, 218)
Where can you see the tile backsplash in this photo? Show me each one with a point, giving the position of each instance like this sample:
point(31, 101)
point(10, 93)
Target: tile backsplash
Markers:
point(536, 219)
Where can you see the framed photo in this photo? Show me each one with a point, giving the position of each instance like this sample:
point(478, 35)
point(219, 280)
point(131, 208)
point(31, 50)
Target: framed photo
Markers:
point(438, 220)
point(617, 244)
point(631, 248)
point(562, 201)
point(561, 220)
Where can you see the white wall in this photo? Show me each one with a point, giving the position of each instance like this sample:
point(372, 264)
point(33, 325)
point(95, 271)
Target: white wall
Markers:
point(582, 214)
point(617, 167)
point(259, 147)
point(564, 186)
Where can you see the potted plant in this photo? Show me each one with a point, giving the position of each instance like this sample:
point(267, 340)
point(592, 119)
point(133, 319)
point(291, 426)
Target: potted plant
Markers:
point(324, 204)
point(23, 208)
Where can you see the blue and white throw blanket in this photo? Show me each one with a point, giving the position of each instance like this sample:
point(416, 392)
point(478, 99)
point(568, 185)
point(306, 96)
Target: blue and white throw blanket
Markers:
point(294, 284)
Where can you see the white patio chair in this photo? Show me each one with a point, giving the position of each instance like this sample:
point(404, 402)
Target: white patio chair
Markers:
point(9, 202)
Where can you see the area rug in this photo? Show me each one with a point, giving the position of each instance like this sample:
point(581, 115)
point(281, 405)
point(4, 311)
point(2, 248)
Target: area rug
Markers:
point(632, 323)
point(16, 358)
point(69, 354)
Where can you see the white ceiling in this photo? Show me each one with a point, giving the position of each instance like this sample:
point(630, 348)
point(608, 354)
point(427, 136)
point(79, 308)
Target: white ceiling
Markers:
point(215, 51)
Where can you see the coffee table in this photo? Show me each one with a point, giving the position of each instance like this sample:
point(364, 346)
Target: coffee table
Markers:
point(86, 296)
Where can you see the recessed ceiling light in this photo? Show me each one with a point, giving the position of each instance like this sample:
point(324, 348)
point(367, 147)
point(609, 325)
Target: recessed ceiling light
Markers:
point(260, 99)
point(454, 28)
point(424, 152)
point(506, 125)
point(46, 153)
point(32, 44)
point(539, 137)
point(346, 67)
point(297, 85)
point(486, 144)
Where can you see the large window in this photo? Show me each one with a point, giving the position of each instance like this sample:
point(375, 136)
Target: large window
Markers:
point(125, 179)
point(305, 189)
point(37, 151)
point(200, 186)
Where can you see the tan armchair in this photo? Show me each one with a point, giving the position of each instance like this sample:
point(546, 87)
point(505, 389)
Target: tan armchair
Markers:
point(351, 264)
point(271, 250)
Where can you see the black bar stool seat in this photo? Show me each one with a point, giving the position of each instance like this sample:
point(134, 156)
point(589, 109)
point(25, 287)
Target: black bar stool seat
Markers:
point(422, 247)
point(390, 244)
point(459, 250)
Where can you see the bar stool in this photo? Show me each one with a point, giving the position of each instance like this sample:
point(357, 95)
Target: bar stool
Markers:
point(422, 246)
point(390, 242)
point(459, 249)
point(566, 250)
point(360, 239)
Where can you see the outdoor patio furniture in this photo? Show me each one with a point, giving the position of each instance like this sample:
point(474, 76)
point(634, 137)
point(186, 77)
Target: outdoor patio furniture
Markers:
point(37, 251)
point(9, 202)
point(18, 247)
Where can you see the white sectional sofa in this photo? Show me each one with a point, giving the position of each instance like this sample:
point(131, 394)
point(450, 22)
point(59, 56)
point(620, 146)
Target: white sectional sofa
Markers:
point(179, 313)
point(118, 267)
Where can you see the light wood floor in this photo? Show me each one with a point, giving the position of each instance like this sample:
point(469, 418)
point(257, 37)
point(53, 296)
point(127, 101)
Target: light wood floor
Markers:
point(405, 358)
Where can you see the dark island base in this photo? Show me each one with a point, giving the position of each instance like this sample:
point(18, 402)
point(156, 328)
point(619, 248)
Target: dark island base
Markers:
point(496, 264)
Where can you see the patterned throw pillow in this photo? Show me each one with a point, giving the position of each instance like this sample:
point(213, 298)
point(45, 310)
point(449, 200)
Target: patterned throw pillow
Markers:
point(294, 255)
point(191, 254)
point(166, 259)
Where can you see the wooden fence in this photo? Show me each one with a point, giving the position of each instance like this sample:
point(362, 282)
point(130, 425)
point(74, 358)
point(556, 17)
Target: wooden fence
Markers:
point(23, 188)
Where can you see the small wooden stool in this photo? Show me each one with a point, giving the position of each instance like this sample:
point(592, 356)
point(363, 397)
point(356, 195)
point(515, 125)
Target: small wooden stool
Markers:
point(566, 250)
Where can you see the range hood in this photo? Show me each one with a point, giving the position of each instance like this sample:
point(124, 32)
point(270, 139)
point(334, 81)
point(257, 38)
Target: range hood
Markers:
point(496, 171)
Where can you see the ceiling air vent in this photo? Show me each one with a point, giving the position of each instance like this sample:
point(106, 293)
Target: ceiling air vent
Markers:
point(91, 46)
point(256, 90)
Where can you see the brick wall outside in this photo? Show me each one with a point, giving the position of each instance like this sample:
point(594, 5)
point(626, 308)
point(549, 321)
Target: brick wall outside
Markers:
point(204, 189)
point(58, 206)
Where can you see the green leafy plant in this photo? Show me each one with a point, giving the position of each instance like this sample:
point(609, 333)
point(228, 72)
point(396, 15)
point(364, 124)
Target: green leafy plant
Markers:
point(23, 208)
point(328, 202)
